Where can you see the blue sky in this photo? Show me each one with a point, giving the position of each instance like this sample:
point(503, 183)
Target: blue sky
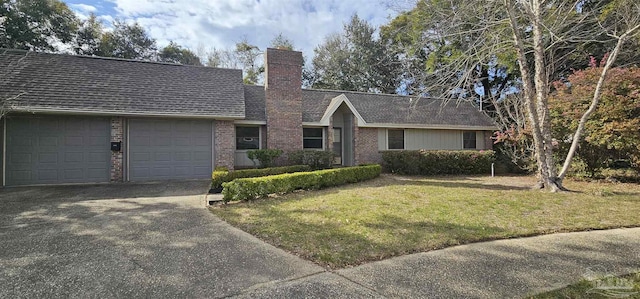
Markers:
point(205, 24)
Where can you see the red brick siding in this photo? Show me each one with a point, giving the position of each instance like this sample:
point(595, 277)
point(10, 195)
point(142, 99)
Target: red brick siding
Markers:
point(366, 146)
point(283, 90)
point(224, 143)
point(117, 158)
point(488, 142)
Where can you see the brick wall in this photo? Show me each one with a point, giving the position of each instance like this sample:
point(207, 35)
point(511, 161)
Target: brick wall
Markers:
point(225, 143)
point(117, 157)
point(283, 91)
point(488, 142)
point(366, 146)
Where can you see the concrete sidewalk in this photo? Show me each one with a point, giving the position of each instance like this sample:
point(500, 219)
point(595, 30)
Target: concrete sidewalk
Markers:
point(512, 268)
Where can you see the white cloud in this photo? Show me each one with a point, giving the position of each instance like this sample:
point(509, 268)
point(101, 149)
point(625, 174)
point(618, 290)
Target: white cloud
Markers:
point(83, 10)
point(222, 23)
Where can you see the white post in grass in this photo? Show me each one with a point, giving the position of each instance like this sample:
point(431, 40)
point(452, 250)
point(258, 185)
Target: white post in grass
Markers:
point(492, 170)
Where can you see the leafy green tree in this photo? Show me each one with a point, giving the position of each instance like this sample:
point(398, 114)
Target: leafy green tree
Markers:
point(89, 37)
point(249, 56)
point(612, 131)
point(175, 53)
point(355, 60)
point(36, 25)
point(281, 42)
point(129, 41)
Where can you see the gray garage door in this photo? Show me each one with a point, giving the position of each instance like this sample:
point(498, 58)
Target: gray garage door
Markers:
point(55, 150)
point(165, 149)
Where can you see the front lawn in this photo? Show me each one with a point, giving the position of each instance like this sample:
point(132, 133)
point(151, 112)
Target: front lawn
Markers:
point(395, 215)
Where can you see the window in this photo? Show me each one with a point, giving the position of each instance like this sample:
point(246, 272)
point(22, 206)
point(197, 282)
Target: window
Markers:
point(469, 140)
point(247, 138)
point(396, 139)
point(312, 138)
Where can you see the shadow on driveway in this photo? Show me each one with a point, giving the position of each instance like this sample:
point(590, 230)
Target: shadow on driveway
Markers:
point(129, 240)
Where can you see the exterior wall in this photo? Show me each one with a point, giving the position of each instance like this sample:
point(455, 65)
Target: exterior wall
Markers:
point(117, 157)
point(224, 141)
point(486, 139)
point(349, 133)
point(263, 136)
point(366, 141)
point(328, 145)
point(382, 139)
point(416, 139)
point(283, 92)
point(2, 151)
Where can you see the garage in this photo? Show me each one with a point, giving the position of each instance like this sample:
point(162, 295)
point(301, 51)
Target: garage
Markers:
point(56, 150)
point(163, 149)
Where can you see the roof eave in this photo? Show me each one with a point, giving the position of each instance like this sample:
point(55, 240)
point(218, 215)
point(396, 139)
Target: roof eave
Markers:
point(120, 113)
point(429, 126)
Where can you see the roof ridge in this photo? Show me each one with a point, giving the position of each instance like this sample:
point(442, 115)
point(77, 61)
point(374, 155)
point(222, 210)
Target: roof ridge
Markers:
point(28, 52)
point(378, 94)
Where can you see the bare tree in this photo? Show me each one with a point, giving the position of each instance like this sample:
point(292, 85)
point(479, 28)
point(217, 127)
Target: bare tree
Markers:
point(533, 39)
point(546, 21)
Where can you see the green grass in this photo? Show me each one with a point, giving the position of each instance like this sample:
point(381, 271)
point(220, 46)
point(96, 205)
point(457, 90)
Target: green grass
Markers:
point(627, 286)
point(393, 215)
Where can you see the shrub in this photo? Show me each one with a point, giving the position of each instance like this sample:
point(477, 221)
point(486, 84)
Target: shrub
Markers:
point(221, 176)
point(425, 162)
point(624, 175)
point(315, 159)
point(252, 188)
point(265, 157)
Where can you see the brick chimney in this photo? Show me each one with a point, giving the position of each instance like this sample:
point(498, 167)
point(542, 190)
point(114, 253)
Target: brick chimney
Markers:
point(283, 92)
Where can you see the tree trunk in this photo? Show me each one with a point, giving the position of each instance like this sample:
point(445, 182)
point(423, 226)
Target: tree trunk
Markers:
point(549, 179)
point(532, 106)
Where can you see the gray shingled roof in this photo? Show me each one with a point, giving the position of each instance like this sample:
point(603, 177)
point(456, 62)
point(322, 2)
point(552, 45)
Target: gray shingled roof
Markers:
point(395, 109)
point(378, 108)
point(254, 97)
point(101, 85)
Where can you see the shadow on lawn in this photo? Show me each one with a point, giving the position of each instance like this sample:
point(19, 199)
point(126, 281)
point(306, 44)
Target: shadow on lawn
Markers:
point(339, 241)
point(453, 230)
point(466, 185)
point(446, 182)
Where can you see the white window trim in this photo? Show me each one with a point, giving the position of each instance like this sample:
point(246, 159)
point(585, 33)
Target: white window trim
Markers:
point(259, 138)
point(404, 139)
point(324, 137)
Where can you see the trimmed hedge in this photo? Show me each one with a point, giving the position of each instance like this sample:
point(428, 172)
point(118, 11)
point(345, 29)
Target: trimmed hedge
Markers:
point(424, 162)
point(253, 188)
point(220, 176)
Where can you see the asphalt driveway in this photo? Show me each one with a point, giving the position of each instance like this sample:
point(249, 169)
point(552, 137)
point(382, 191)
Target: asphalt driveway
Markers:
point(129, 240)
